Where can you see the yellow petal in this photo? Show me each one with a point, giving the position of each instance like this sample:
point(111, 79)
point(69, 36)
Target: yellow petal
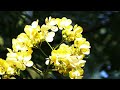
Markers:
point(49, 39)
point(51, 34)
point(35, 24)
point(27, 58)
point(10, 70)
point(54, 28)
point(85, 51)
point(29, 63)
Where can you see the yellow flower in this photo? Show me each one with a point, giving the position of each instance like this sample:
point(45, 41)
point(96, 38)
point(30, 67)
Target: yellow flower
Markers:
point(11, 55)
point(77, 29)
point(85, 51)
point(19, 46)
point(10, 71)
point(63, 23)
point(14, 66)
point(32, 32)
point(48, 35)
point(26, 56)
point(25, 59)
point(35, 24)
point(64, 50)
point(60, 54)
point(85, 45)
point(76, 61)
point(79, 41)
point(20, 59)
point(23, 38)
point(76, 74)
point(70, 33)
point(69, 27)
point(85, 48)
point(3, 66)
point(23, 55)
point(51, 21)
point(44, 28)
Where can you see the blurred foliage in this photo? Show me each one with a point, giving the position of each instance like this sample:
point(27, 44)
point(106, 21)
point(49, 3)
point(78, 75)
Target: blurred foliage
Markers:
point(101, 29)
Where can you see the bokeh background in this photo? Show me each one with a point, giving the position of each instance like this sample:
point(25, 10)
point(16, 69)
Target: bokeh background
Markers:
point(101, 29)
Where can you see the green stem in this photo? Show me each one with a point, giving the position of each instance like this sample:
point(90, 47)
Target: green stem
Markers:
point(42, 52)
point(49, 45)
point(59, 44)
point(52, 69)
point(37, 69)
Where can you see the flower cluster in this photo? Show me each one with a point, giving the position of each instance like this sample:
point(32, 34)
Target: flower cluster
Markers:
point(20, 55)
point(67, 59)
